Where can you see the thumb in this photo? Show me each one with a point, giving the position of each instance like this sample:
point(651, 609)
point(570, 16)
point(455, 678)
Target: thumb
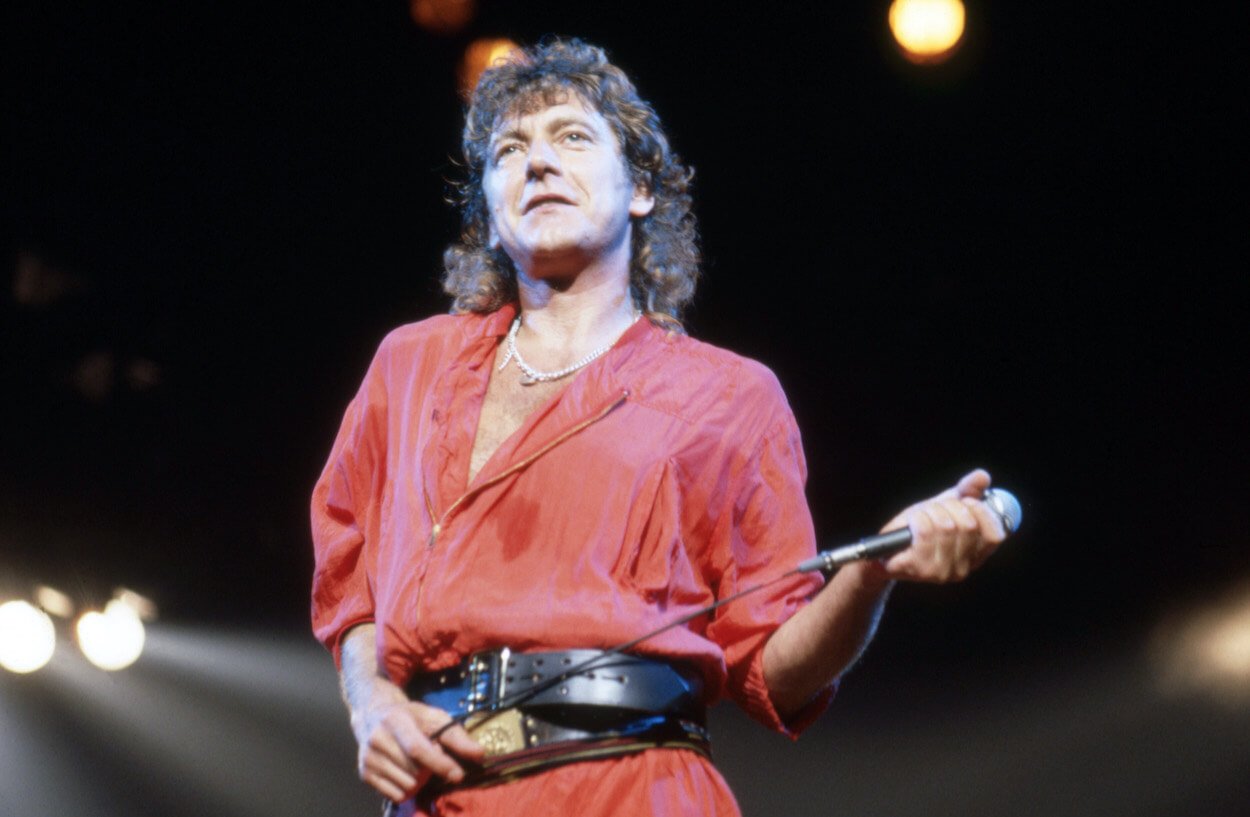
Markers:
point(973, 484)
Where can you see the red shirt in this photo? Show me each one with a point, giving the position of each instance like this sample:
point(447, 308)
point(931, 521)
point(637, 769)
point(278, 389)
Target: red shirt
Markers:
point(667, 474)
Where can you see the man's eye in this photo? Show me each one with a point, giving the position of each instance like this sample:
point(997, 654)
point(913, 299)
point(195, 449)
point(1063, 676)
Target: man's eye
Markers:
point(576, 137)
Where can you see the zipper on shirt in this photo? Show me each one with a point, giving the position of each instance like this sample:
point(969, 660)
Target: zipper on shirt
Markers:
point(439, 521)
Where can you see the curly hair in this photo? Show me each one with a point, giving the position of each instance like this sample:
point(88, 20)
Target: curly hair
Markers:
point(664, 258)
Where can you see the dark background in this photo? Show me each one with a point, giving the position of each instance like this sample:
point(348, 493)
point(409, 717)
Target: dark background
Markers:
point(1028, 258)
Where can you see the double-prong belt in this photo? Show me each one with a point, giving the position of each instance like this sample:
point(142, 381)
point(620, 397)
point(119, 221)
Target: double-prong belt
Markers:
point(531, 711)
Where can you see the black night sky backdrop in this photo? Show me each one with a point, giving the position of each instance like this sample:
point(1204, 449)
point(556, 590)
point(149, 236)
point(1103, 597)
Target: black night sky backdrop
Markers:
point(1030, 258)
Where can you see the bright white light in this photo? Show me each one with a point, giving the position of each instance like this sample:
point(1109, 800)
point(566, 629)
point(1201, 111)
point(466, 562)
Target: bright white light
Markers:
point(927, 29)
point(27, 637)
point(111, 640)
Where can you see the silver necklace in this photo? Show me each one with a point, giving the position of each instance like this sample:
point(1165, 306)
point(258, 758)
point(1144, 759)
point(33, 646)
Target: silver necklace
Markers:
point(530, 375)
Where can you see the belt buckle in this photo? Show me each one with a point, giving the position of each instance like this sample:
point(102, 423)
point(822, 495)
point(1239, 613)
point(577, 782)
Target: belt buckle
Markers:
point(487, 680)
point(500, 732)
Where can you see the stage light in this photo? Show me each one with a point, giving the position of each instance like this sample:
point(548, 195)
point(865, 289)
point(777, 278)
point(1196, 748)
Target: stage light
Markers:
point(927, 31)
point(480, 55)
point(54, 601)
point(1226, 646)
point(144, 607)
point(442, 16)
point(111, 640)
point(27, 637)
point(1209, 649)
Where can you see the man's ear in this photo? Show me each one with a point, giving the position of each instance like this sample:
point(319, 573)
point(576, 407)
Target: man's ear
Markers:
point(642, 203)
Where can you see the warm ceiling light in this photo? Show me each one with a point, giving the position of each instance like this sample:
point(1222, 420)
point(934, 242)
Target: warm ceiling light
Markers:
point(442, 16)
point(480, 55)
point(27, 637)
point(927, 30)
point(113, 639)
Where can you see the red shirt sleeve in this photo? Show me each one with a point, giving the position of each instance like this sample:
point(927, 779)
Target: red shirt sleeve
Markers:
point(766, 533)
point(345, 508)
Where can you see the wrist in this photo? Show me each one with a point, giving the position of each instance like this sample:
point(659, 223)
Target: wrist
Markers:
point(867, 577)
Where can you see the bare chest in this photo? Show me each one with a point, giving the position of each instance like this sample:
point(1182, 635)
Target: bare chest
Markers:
point(507, 405)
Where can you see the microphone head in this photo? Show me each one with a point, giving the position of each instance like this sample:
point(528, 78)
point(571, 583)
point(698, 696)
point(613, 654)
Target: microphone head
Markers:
point(1005, 504)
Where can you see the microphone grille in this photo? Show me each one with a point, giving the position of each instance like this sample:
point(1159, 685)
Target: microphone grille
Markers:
point(1005, 504)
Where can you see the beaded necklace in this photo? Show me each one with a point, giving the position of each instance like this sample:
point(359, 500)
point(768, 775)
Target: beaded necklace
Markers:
point(530, 375)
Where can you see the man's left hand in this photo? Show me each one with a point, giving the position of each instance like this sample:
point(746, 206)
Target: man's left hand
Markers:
point(952, 534)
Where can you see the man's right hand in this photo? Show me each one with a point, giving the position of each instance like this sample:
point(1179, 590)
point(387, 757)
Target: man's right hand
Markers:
point(397, 755)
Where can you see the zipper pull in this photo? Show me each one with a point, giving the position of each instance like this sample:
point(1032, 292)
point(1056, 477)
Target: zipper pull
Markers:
point(434, 532)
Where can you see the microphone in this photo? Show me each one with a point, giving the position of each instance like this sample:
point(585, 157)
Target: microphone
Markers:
point(1001, 502)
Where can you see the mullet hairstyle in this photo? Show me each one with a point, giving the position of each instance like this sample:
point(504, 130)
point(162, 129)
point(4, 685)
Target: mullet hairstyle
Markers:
point(664, 258)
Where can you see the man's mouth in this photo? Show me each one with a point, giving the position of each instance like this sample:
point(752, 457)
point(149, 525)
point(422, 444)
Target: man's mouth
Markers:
point(546, 198)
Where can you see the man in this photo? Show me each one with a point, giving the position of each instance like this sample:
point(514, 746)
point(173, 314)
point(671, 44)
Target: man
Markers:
point(556, 466)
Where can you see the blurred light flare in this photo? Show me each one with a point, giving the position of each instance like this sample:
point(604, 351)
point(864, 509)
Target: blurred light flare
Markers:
point(27, 637)
point(480, 55)
point(242, 722)
point(1208, 650)
point(54, 601)
point(442, 16)
point(927, 31)
point(114, 639)
point(144, 607)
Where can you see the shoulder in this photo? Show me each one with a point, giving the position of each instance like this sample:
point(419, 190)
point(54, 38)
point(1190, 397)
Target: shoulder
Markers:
point(439, 329)
point(430, 339)
point(708, 380)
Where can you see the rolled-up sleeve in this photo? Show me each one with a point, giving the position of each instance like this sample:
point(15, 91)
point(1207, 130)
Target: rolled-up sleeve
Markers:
point(766, 532)
point(345, 509)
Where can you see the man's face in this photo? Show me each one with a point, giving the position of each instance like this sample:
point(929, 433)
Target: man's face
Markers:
point(558, 189)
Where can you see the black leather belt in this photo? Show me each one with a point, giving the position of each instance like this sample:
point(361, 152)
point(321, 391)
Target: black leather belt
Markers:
point(534, 710)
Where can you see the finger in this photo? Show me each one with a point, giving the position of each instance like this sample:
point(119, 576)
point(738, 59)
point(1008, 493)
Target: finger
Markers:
point(988, 522)
point(974, 484)
point(967, 536)
point(390, 780)
point(909, 563)
point(453, 736)
point(458, 740)
point(965, 522)
point(427, 753)
point(944, 556)
point(992, 533)
point(385, 746)
point(384, 766)
point(386, 787)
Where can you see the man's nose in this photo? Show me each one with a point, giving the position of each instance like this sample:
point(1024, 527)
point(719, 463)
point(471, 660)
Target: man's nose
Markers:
point(543, 158)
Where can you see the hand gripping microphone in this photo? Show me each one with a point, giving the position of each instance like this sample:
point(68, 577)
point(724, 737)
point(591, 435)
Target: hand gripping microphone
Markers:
point(1001, 502)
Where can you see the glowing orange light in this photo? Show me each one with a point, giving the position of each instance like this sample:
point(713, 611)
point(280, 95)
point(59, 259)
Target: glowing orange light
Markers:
point(480, 55)
point(927, 30)
point(442, 16)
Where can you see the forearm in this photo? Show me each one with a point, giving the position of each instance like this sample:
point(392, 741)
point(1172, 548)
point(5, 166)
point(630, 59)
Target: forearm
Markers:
point(825, 638)
point(364, 688)
point(400, 743)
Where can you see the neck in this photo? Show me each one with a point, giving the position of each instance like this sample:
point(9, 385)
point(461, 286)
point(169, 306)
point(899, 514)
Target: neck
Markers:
point(561, 324)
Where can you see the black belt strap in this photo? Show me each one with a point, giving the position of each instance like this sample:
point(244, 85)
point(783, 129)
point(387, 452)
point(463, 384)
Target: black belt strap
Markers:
point(489, 680)
point(531, 711)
